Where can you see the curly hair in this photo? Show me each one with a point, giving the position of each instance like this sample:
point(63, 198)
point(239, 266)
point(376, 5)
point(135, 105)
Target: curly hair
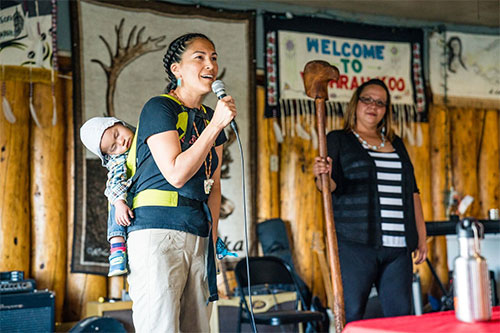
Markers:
point(174, 54)
point(350, 114)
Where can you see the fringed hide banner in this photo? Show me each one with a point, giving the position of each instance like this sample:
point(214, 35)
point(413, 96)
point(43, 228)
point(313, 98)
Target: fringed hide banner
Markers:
point(24, 74)
point(465, 69)
point(27, 45)
point(26, 33)
point(118, 52)
point(297, 118)
point(359, 51)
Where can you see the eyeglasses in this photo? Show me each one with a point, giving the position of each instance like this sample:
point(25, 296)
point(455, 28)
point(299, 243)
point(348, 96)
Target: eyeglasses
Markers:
point(370, 101)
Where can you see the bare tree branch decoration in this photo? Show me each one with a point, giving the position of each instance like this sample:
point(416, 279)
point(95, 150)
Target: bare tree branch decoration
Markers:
point(123, 56)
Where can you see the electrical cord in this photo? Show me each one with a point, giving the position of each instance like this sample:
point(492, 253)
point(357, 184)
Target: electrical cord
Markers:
point(233, 126)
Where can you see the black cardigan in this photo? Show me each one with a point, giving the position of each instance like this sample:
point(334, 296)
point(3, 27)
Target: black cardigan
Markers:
point(356, 203)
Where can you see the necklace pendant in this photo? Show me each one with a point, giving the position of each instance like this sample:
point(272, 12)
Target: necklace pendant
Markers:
point(366, 145)
point(207, 184)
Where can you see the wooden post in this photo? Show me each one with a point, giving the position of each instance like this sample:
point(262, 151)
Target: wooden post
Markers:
point(14, 182)
point(80, 288)
point(267, 177)
point(465, 138)
point(298, 191)
point(319, 247)
point(289, 159)
point(420, 158)
point(440, 171)
point(48, 194)
point(489, 164)
point(317, 74)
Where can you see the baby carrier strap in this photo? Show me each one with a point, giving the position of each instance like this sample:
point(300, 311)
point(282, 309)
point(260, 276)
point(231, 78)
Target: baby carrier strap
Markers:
point(151, 197)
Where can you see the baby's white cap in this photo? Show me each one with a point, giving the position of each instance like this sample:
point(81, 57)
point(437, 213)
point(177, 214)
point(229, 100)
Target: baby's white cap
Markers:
point(91, 133)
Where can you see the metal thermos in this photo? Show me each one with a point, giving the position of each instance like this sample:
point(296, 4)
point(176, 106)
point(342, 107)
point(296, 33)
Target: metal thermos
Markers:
point(471, 284)
point(416, 291)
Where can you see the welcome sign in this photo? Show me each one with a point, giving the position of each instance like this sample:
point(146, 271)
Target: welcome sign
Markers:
point(357, 60)
point(360, 52)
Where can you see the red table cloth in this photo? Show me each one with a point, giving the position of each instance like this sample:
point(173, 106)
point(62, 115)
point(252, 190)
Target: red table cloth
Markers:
point(431, 322)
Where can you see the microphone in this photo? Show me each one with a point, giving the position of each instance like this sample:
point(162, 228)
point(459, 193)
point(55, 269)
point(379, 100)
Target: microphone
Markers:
point(220, 90)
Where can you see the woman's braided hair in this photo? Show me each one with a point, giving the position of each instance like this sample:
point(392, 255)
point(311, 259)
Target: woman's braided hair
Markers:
point(174, 53)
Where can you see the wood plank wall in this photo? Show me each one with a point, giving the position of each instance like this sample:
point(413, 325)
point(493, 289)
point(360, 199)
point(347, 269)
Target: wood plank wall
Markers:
point(460, 148)
point(36, 196)
point(15, 212)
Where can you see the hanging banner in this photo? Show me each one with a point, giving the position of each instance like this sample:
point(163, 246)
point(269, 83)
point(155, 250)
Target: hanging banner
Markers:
point(27, 33)
point(356, 59)
point(359, 51)
point(465, 69)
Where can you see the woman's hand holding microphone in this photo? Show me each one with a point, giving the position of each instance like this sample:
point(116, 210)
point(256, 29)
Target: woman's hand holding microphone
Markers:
point(225, 111)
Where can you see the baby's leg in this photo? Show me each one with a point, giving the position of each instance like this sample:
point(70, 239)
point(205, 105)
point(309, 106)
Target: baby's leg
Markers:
point(118, 251)
point(116, 233)
point(117, 239)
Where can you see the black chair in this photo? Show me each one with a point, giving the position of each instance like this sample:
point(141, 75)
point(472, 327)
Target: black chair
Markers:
point(95, 323)
point(273, 237)
point(270, 271)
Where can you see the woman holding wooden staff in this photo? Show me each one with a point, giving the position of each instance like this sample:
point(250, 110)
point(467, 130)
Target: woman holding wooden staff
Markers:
point(376, 203)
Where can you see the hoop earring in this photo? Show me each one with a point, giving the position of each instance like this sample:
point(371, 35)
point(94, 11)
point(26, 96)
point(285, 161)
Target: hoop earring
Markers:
point(179, 82)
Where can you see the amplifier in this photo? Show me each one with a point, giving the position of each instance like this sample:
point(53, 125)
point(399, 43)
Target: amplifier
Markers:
point(11, 276)
point(27, 312)
point(21, 286)
point(225, 312)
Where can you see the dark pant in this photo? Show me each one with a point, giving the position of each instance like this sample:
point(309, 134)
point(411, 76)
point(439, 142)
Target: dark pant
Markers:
point(390, 269)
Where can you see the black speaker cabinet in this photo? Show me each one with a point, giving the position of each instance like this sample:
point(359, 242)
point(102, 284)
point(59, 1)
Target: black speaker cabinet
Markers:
point(225, 312)
point(27, 312)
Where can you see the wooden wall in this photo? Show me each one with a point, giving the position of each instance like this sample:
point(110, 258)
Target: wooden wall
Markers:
point(460, 148)
point(33, 179)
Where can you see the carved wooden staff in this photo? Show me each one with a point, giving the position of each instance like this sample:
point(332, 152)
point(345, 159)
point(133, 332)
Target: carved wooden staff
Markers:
point(317, 74)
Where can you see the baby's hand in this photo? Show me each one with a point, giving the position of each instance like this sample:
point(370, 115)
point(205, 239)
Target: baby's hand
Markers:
point(122, 213)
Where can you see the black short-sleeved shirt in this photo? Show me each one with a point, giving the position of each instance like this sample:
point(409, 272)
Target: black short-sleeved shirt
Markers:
point(161, 114)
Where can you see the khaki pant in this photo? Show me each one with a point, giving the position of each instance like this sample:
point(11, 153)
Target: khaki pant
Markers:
point(168, 282)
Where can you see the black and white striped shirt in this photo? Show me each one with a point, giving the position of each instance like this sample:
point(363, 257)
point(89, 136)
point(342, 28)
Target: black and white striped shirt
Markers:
point(389, 187)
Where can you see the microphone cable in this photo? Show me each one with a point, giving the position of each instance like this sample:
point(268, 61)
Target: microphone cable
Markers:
point(220, 91)
point(252, 318)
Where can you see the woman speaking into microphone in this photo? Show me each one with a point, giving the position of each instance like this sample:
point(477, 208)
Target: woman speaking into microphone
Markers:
point(178, 195)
